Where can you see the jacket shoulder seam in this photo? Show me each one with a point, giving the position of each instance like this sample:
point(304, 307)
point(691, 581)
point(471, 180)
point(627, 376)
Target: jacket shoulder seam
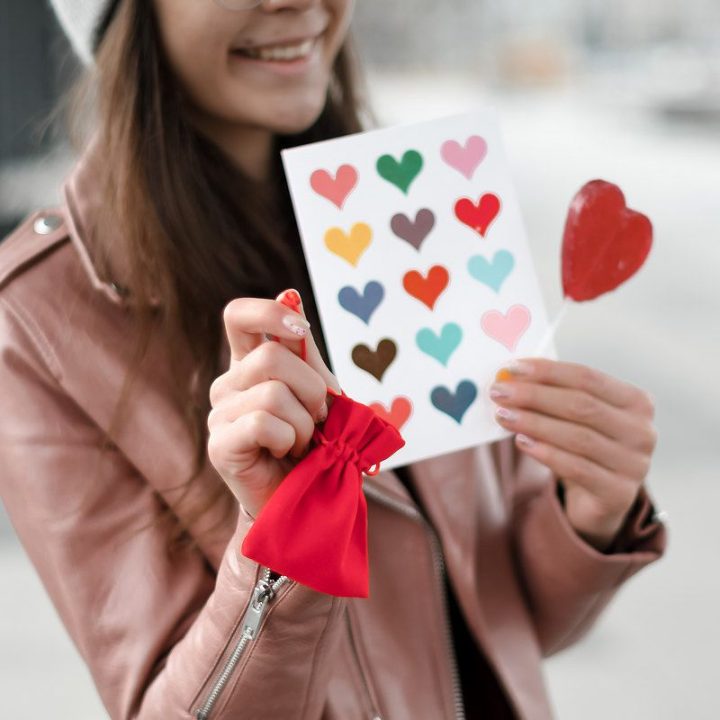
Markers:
point(36, 336)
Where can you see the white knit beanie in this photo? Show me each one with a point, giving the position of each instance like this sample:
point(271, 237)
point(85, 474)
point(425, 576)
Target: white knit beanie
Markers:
point(84, 22)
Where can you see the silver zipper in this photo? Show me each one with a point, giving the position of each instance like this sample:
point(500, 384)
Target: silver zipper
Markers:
point(264, 591)
point(375, 714)
point(440, 572)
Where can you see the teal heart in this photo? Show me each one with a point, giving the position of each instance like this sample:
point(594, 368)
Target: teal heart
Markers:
point(440, 347)
point(402, 173)
point(492, 273)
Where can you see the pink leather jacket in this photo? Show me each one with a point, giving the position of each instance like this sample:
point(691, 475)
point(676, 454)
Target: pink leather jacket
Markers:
point(213, 635)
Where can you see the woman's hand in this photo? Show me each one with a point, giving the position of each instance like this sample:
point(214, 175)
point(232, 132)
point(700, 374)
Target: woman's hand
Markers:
point(264, 408)
point(593, 431)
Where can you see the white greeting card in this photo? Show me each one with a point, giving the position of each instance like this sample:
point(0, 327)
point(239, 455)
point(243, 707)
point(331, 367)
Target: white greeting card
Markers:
point(422, 273)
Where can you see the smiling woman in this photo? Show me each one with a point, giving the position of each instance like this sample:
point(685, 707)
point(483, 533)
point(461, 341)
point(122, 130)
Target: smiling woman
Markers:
point(147, 418)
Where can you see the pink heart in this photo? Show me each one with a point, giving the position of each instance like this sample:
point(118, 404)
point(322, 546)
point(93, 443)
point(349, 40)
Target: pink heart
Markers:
point(464, 159)
point(334, 189)
point(506, 329)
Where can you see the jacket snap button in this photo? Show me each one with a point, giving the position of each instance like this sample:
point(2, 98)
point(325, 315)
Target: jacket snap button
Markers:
point(46, 224)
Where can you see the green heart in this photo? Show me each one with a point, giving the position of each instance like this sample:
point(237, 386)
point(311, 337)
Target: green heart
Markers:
point(400, 173)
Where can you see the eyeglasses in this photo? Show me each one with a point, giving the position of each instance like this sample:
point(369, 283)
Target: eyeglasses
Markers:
point(238, 4)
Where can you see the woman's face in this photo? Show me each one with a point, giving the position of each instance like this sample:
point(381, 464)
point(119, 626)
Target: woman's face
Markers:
point(225, 87)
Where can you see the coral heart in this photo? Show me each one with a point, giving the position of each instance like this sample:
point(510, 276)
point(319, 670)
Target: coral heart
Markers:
point(413, 232)
point(399, 412)
point(402, 173)
point(464, 159)
point(426, 289)
point(455, 404)
point(336, 189)
point(478, 216)
point(506, 329)
point(363, 306)
point(376, 362)
point(440, 347)
point(604, 242)
point(349, 247)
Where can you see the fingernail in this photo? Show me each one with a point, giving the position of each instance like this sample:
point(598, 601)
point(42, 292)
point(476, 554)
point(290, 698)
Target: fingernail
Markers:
point(297, 324)
point(499, 390)
point(506, 414)
point(322, 415)
point(518, 367)
point(525, 440)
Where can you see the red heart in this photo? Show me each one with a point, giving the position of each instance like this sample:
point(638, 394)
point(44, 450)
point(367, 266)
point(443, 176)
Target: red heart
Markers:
point(479, 216)
point(426, 290)
point(400, 410)
point(604, 242)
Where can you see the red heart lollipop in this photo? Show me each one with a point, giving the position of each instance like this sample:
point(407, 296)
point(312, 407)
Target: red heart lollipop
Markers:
point(604, 243)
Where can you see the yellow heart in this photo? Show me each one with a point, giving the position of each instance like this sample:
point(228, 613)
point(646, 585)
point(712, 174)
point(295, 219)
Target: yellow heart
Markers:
point(350, 247)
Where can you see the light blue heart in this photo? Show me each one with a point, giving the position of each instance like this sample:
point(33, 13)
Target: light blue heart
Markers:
point(492, 273)
point(440, 347)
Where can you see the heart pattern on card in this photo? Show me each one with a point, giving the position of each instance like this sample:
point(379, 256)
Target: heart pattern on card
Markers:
point(349, 246)
point(376, 362)
point(413, 231)
point(480, 215)
point(335, 189)
point(454, 404)
point(427, 289)
point(465, 159)
point(506, 328)
point(492, 273)
point(402, 173)
point(400, 411)
point(441, 346)
point(362, 305)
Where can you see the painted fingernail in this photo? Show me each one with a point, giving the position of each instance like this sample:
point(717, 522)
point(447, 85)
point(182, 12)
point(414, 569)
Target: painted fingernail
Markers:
point(517, 367)
point(297, 324)
point(506, 414)
point(499, 390)
point(525, 440)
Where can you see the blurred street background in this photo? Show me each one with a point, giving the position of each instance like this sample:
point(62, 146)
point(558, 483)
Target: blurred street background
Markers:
point(624, 91)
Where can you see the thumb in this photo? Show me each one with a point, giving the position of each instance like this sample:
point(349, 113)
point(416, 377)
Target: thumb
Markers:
point(292, 299)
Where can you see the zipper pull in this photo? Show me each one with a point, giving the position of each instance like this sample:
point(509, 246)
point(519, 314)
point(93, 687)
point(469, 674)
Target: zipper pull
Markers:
point(262, 593)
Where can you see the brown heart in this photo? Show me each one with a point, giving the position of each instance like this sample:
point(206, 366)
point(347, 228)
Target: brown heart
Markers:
point(376, 362)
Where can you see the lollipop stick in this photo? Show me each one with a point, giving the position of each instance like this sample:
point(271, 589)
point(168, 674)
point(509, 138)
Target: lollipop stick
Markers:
point(550, 332)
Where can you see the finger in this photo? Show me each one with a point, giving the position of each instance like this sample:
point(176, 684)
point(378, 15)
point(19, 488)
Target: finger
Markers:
point(248, 319)
point(581, 377)
point(612, 491)
point(579, 440)
point(273, 361)
point(582, 408)
point(313, 357)
point(237, 442)
point(272, 396)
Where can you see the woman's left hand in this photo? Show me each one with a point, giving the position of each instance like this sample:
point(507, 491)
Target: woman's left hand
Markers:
point(593, 431)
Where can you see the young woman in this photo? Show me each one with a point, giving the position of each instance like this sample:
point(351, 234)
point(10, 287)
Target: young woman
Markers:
point(147, 418)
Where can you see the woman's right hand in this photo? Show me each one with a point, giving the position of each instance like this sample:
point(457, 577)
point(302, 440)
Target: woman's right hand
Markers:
point(266, 405)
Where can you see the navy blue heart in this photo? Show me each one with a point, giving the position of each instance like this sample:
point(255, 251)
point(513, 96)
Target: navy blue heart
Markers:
point(456, 404)
point(363, 306)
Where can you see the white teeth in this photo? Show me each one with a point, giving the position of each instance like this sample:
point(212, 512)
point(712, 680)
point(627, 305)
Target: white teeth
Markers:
point(285, 52)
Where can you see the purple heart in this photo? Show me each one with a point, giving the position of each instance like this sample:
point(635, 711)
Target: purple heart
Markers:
point(413, 232)
point(362, 306)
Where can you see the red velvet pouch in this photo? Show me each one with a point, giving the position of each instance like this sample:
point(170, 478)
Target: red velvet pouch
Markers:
point(314, 526)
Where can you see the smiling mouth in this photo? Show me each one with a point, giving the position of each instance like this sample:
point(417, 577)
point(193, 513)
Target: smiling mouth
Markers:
point(279, 53)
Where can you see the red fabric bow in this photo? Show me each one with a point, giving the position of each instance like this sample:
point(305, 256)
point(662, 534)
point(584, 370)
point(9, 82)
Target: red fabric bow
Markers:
point(314, 526)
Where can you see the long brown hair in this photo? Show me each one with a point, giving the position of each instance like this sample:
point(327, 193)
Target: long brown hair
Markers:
point(196, 230)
